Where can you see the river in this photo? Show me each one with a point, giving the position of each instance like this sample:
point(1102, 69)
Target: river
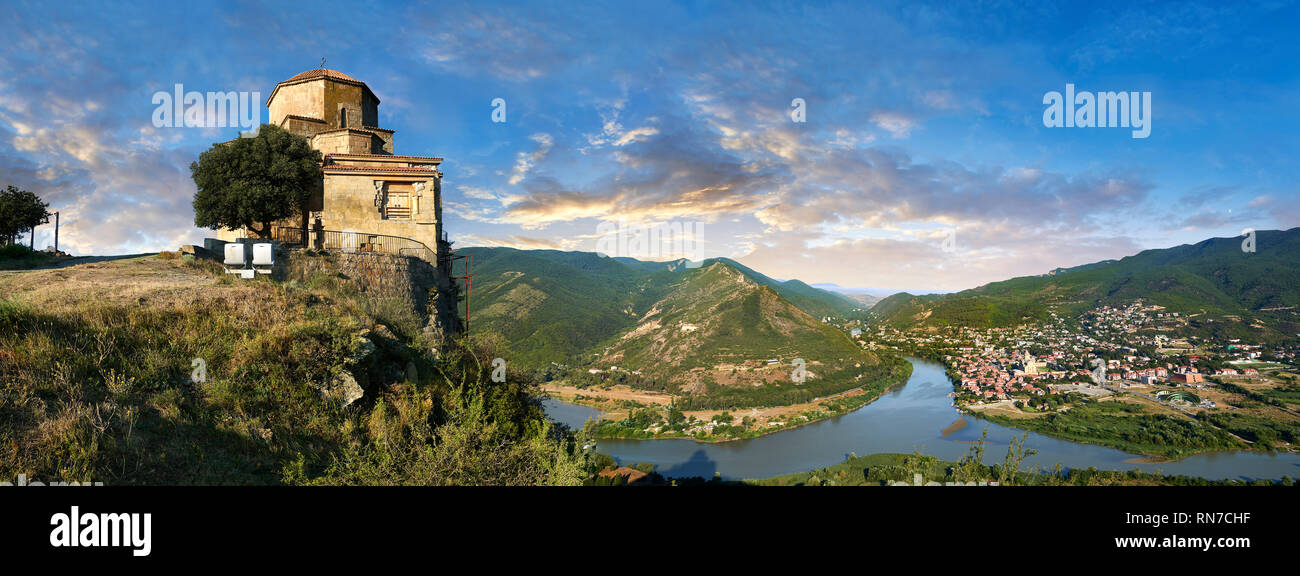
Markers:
point(908, 418)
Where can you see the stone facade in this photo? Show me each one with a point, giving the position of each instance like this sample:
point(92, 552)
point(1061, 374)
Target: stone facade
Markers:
point(366, 187)
point(332, 97)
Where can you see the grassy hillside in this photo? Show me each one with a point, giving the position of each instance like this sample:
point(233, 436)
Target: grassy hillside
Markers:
point(552, 306)
point(815, 301)
point(706, 332)
point(96, 384)
point(19, 257)
point(711, 337)
point(1213, 277)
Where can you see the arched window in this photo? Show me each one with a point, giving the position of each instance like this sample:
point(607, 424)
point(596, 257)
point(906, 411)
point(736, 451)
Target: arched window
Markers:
point(343, 117)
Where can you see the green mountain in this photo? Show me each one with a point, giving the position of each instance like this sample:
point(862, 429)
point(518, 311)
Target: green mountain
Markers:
point(810, 299)
point(1259, 292)
point(551, 306)
point(707, 332)
point(720, 334)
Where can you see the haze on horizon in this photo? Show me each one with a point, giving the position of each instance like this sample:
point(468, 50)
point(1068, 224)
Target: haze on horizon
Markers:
point(923, 123)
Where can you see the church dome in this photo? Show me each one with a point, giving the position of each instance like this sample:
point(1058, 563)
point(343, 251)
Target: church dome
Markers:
point(320, 74)
point(325, 72)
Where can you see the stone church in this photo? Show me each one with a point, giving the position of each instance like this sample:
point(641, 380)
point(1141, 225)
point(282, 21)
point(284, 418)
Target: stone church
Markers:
point(366, 188)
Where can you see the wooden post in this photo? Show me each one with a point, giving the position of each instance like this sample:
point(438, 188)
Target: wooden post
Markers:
point(469, 289)
point(469, 282)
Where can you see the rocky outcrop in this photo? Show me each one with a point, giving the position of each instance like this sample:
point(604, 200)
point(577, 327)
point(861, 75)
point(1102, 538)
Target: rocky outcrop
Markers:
point(342, 387)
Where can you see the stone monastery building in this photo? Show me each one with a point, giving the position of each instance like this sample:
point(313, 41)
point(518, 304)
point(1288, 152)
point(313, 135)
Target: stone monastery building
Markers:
point(366, 187)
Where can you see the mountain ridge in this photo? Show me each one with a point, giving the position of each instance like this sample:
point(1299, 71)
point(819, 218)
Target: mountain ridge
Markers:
point(552, 305)
point(1214, 276)
point(717, 335)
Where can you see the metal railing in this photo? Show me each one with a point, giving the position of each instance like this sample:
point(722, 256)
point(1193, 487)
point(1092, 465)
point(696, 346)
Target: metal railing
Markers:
point(355, 242)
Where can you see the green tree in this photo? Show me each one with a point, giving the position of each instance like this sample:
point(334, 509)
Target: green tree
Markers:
point(1016, 455)
point(252, 182)
point(20, 211)
point(971, 467)
point(675, 416)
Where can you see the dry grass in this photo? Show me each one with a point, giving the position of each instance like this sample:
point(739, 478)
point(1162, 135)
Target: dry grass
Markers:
point(96, 366)
point(97, 372)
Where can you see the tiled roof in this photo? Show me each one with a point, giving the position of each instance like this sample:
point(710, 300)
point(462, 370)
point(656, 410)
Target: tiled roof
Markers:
point(394, 157)
point(317, 74)
point(306, 118)
point(322, 72)
point(364, 129)
point(332, 130)
point(344, 168)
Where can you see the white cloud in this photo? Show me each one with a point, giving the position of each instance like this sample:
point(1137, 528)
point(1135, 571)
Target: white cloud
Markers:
point(898, 125)
point(525, 161)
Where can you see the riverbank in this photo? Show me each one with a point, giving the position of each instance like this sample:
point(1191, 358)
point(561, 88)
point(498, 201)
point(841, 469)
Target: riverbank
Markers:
point(630, 414)
point(1124, 427)
point(1124, 424)
point(903, 420)
point(1137, 423)
point(903, 469)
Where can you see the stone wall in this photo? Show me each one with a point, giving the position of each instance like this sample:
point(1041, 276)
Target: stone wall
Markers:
point(350, 141)
point(412, 281)
point(380, 276)
point(323, 99)
point(302, 99)
point(349, 206)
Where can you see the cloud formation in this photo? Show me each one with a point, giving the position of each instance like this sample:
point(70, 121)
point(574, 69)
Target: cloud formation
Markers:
point(922, 119)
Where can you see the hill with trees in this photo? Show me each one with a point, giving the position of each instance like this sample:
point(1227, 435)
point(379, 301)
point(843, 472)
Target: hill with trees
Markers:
point(554, 306)
point(1215, 278)
point(718, 335)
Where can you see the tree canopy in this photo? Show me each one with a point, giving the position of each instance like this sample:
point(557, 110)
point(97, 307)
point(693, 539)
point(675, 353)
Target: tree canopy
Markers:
point(252, 182)
point(20, 211)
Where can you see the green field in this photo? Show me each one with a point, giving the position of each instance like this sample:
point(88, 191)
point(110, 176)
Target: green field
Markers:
point(1127, 427)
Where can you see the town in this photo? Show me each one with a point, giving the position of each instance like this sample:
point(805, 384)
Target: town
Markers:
point(1138, 353)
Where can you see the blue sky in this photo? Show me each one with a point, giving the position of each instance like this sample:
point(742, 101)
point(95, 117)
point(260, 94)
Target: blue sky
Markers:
point(923, 123)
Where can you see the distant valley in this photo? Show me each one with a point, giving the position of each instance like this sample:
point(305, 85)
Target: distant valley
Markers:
point(716, 336)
